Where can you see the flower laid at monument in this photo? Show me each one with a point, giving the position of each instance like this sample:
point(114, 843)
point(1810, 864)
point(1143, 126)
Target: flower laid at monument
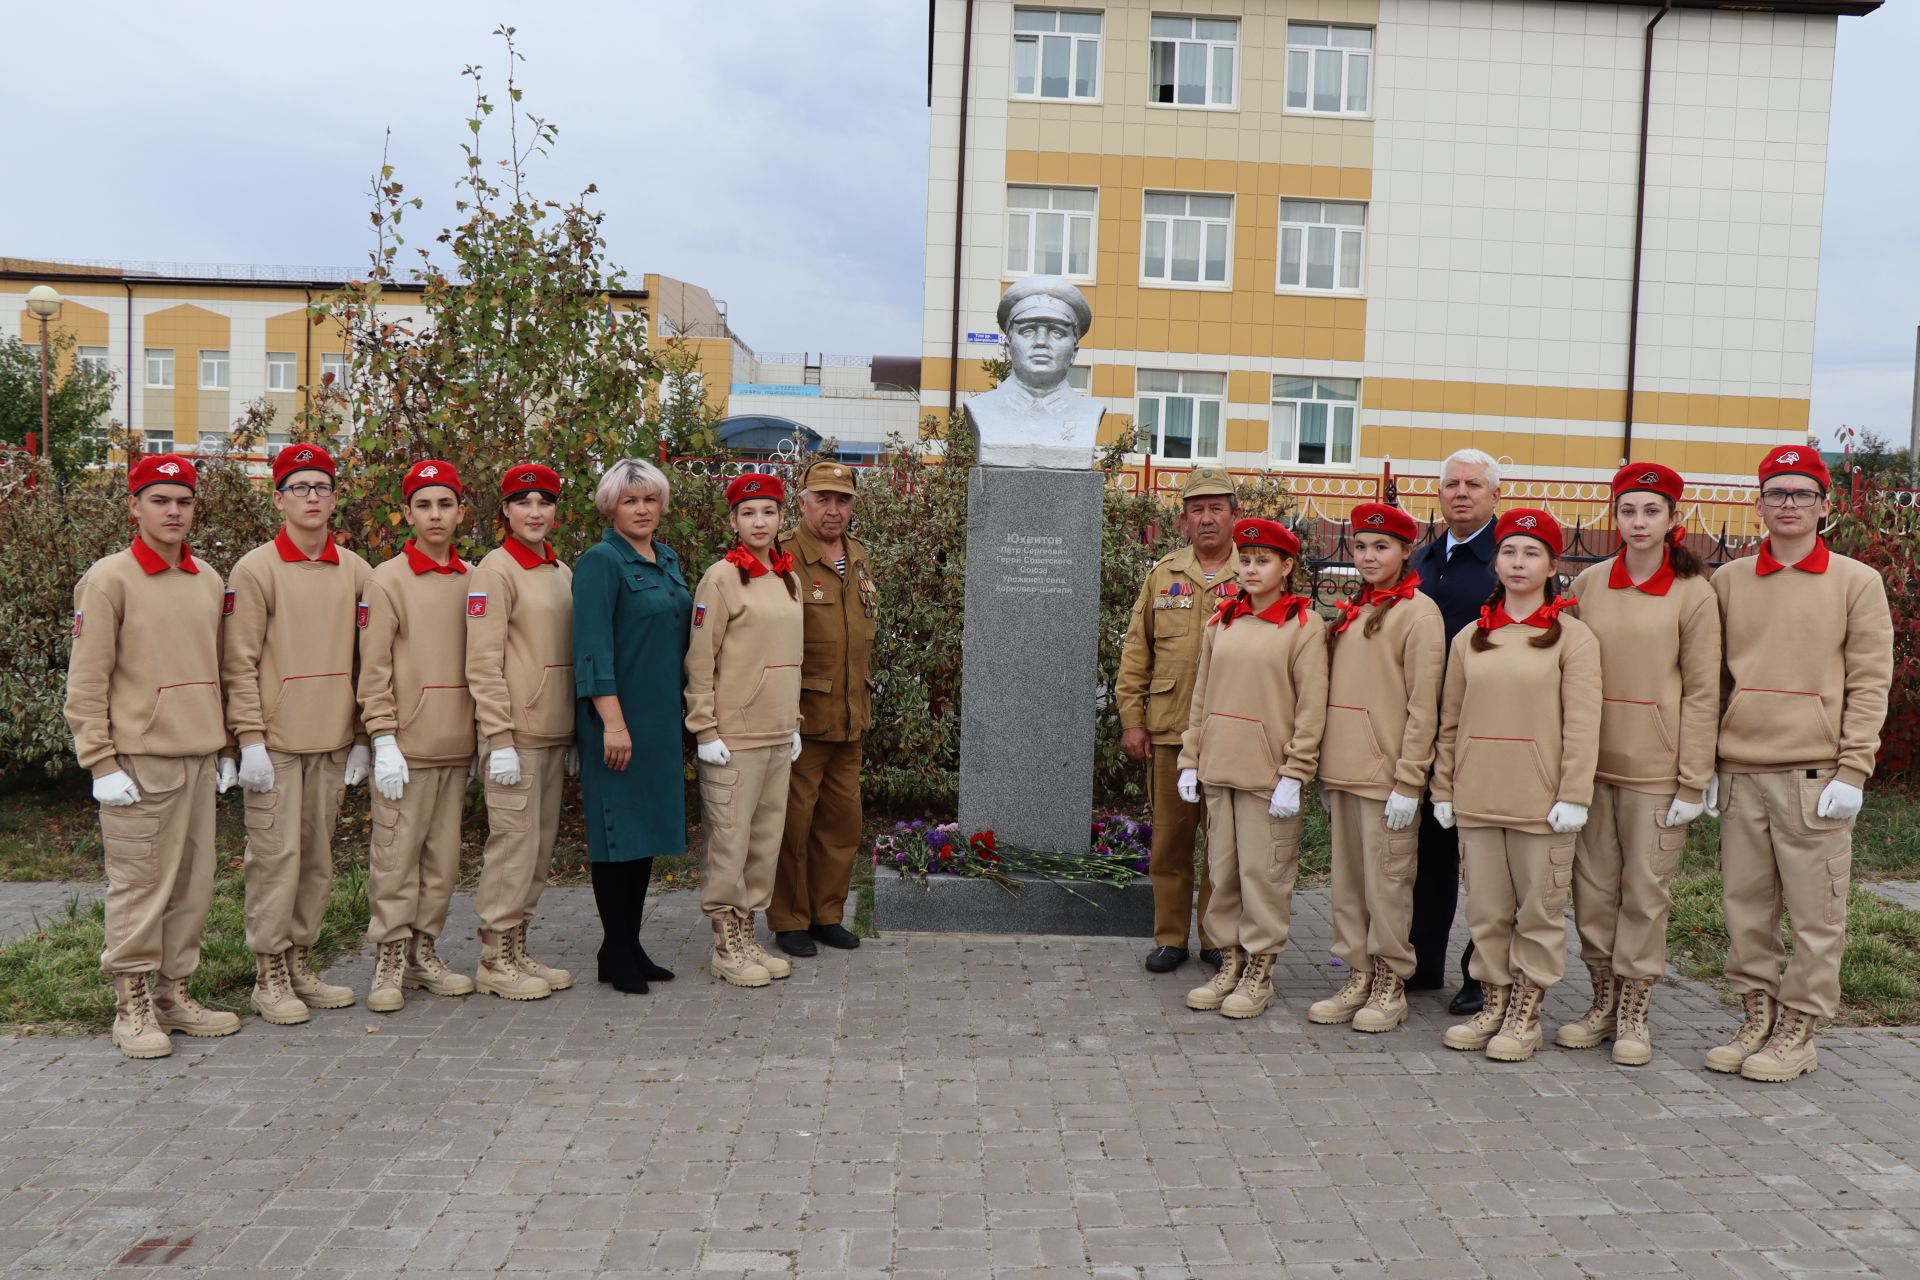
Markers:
point(1117, 854)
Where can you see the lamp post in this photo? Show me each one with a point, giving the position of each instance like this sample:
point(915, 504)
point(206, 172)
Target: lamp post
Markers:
point(44, 301)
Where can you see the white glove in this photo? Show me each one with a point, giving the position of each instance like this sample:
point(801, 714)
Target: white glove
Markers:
point(225, 774)
point(390, 776)
point(1567, 818)
point(256, 768)
point(573, 762)
point(359, 765)
point(1713, 796)
point(1189, 786)
point(796, 746)
point(1681, 812)
point(503, 766)
point(714, 752)
point(1443, 814)
point(1401, 811)
point(1286, 799)
point(115, 790)
point(1840, 801)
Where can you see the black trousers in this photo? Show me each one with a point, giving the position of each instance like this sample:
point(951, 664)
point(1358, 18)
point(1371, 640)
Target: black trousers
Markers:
point(1436, 896)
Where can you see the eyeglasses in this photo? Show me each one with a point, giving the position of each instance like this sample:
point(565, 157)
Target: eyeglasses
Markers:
point(1777, 498)
point(304, 490)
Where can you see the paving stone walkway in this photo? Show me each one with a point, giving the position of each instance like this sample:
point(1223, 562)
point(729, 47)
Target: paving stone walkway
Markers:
point(943, 1106)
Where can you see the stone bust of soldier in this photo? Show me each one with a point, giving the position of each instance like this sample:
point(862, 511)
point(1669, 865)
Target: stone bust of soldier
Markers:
point(1036, 419)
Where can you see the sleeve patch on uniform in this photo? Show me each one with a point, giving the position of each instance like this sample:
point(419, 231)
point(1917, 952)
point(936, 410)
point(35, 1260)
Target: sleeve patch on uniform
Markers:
point(78, 616)
point(699, 614)
point(476, 604)
point(226, 602)
point(360, 615)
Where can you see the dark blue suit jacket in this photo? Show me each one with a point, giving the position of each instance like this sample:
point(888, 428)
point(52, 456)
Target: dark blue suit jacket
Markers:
point(1462, 587)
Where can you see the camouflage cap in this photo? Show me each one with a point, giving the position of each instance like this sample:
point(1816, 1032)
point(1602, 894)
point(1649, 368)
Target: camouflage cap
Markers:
point(1202, 482)
point(827, 476)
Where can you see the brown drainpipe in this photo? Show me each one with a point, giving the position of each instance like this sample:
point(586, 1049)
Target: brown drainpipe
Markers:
point(1639, 228)
point(959, 214)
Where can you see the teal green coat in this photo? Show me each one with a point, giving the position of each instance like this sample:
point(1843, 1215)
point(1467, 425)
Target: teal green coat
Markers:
point(630, 629)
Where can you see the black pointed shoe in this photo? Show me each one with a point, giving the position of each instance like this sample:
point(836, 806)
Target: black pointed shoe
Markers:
point(795, 942)
point(1166, 959)
point(837, 936)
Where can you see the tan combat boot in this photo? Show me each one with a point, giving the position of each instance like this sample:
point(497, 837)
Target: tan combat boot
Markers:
point(135, 1033)
point(1347, 1001)
point(499, 973)
point(389, 978)
point(429, 971)
point(1211, 996)
point(1758, 1010)
point(175, 1010)
point(1255, 992)
point(1476, 1032)
point(1789, 1054)
point(556, 979)
point(1386, 1006)
point(732, 963)
point(1520, 1033)
point(1596, 1024)
point(308, 985)
point(776, 966)
point(1632, 1044)
point(273, 997)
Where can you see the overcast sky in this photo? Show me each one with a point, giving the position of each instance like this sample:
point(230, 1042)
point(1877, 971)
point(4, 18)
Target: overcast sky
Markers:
point(771, 150)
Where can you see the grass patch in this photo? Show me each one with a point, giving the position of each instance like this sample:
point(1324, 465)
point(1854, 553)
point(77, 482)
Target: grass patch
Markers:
point(48, 829)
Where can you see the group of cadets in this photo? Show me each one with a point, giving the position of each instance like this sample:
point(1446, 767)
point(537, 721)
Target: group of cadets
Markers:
point(1569, 740)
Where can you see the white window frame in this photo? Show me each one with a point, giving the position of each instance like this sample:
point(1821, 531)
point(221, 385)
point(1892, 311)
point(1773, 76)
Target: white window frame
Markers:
point(1208, 48)
point(1168, 222)
point(1295, 404)
point(1024, 224)
point(216, 370)
point(156, 441)
point(1304, 52)
point(283, 371)
point(1080, 45)
point(160, 367)
point(335, 363)
point(90, 360)
point(1080, 378)
point(1340, 234)
point(1201, 388)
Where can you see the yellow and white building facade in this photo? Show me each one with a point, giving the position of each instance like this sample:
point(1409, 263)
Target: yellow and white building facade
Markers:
point(1331, 237)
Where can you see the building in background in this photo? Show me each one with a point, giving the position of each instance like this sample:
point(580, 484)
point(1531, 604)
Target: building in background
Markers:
point(1327, 236)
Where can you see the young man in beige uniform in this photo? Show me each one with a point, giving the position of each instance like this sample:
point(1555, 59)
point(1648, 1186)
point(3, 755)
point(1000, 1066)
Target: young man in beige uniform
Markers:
point(1154, 693)
point(143, 702)
point(839, 602)
point(1809, 657)
point(414, 699)
point(289, 641)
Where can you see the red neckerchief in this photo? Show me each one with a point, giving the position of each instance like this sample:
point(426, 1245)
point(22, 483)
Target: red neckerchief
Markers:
point(153, 562)
point(1816, 561)
point(420, 562)
point(528, 558)
point(1372, 596)
point(782, 561)
point(1278, 612)
point(1494, 617)
point(294, 555)
point(1618, 579)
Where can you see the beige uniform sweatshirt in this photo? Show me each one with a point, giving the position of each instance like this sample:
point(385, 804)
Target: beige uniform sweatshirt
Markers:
point(520, 648)
point(1659, 681)
point(743, 665)
point(1519, 727)
point(143, 678)
point(413, 661)
point(1259, 703)
point(290, 645)
point(1383, 701)
point(1809, 661)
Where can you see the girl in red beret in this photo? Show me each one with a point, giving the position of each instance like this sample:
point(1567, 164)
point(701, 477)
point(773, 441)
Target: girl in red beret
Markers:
point(1253, 741)
point(1388, 651)
point(743, 707)
point(1659, 630)
point(1519, 732)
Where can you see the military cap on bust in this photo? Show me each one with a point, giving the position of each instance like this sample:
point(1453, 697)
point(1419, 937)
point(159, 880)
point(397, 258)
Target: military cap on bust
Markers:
point(1048, 294)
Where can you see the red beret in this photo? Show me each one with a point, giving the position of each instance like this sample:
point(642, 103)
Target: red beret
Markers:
point(1648, 477)
point(1255, 532)
point(161, 468)
point(1795, 460)
point(1378, 517)
point(1533, 523)
point(300, 457)
point(530, 477)
point(428, 472)
point(755, 485)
